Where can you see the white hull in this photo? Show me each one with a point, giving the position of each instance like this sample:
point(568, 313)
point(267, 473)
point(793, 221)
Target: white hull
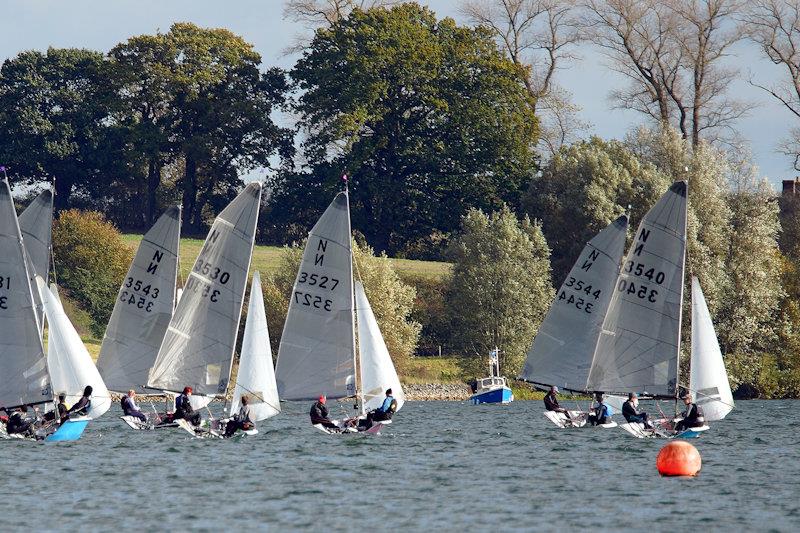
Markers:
point(350, 430)
point(577, 419)
point(638, 430)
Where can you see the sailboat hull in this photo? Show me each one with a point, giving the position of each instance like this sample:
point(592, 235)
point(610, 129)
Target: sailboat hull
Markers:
point(577, 419)
point(638, 430)
point(70, 430)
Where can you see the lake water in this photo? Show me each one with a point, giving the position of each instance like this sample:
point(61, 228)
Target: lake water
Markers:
point(442, 465)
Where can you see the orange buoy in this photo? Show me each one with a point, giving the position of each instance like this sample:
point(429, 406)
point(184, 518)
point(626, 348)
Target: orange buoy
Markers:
point(678, 458)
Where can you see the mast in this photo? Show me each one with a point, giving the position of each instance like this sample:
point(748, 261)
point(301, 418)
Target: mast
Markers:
point(356, 362)
point(680, 308)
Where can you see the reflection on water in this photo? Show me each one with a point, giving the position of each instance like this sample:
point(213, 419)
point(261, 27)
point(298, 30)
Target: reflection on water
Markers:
point(444, 465)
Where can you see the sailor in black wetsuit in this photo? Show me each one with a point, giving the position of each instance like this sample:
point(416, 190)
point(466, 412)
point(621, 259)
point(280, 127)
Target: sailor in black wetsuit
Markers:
point(551, 402)
point(83, 405)
point(61, 408)
point(184, 409)
point(631, 412)
point(18, 423)
point(319, 414)
point(692, 416)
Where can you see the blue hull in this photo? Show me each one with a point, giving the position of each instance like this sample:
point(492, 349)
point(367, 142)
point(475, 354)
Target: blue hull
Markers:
point(503, 395)
point(68, 431)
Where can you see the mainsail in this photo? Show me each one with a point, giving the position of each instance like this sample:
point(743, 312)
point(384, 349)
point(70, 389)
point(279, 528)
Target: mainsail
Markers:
point(256, 377)
point(71, 367)
point(377, 370)
point(561, 352)
point(197, 350)
point(638, 347)
point(36, 224)
point(708, 380)
point(24, 378)
point(316, 354)
point(143, 308)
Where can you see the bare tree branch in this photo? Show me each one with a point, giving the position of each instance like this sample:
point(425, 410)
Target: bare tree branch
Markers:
point(539, 37)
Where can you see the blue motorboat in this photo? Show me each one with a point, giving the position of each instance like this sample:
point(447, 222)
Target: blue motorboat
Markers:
point(494, 388)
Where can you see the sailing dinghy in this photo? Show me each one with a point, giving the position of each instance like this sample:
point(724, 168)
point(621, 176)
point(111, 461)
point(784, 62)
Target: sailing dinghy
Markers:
point(26, 378)
point(142, 313)
point(255, 378)
point(198, 346)
point(561, 351)
point(317, 353)
point(708, 379)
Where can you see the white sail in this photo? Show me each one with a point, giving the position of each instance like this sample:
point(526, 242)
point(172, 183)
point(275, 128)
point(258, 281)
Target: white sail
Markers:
point(36, 225)
point(197, 350)
point(316, 354)
point(71, 367)
point(256, 377)
point(377, 370)
point(561, 353)
point(143, 308)
point(708, 379)
point(638, 347)
point(23, 365)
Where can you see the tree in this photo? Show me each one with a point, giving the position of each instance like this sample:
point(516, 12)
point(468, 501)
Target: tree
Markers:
point(197, 94)
point(427, 118)
point(91, 260)
point(583, 188)
point(391, 299)
point(54, 108)
point(500, 289)
point(672, 53)
point(539, 36)
point(775, 26)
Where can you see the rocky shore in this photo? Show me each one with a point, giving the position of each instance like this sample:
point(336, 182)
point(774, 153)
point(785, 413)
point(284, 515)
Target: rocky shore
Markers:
point(436, 391)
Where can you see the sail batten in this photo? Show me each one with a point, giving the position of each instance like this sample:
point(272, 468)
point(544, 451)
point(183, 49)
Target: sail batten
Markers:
point(24, 378)
point(143, 308)
point(561, 352)
point(317, 350)
point(638, 347)
point(198, 346)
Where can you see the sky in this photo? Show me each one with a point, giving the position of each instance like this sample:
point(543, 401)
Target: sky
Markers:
point(99, 25)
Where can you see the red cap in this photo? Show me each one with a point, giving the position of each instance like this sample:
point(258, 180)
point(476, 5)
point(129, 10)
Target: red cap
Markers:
point(322, 398)
point(187, 390)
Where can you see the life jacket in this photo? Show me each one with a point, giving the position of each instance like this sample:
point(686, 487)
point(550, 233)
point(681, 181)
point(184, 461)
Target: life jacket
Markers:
point(386, 406)
point(126, 405)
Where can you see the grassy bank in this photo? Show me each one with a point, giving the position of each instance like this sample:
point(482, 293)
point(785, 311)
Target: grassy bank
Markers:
point(267, 259)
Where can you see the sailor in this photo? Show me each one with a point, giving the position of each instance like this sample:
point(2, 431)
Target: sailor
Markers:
point(184, 409)
point(692, 416)
point(319, 414)
point(61, 408)
point(244, 420)
point(83, 405)
point(551, 402)
point(601, 414)
point(631, 412)
point(382, 413)
point(18, 423)
point(129, 407)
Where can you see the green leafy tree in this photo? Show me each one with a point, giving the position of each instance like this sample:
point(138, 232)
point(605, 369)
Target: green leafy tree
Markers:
point(583, 188)
point(54, 110)
point(500, 288)
point(91, 261)
point(426, 117)
point(196, 95)
point(391, 299)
